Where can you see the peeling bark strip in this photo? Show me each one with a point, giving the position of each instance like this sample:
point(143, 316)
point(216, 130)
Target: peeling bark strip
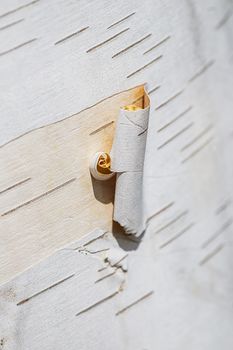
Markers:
point(202, 70)
point(102, 128)
point(15, 185)
point(211, 255)
point(157, 45)
point(177, 235)
point(145, 66)
point(38, 197)
point(19, 8)
point(132, 45)
point(169, 99)
point(218, 233)
point(172, 221)
point(198, 137)
point(121, 20)
point(107, 40)
point(175, 119)
point(61, 144)
point(17, 47)
point(175, 136)
point(134, 303)
point(45, 290)
point(97, 303)
point(70, 36)
point(11, 24)
point(127, 153)
point(197, 150)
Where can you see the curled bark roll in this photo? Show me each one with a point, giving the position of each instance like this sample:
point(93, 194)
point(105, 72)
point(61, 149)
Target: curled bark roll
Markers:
point(127, 154)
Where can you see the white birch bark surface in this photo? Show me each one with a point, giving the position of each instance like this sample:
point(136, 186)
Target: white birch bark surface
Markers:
point(173, 288)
